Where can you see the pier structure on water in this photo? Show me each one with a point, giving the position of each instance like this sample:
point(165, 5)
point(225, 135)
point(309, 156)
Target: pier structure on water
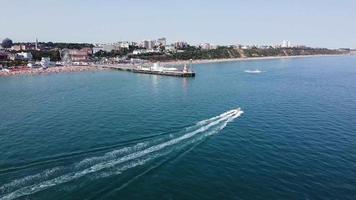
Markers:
point(156, 69)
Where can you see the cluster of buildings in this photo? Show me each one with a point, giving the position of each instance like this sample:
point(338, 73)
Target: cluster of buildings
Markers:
point(84, 56)
point(286, 44)
point(283, 44)
point(17, 52)
point(153, 44)
point(207, 46)
point(144, 47)
point(26, 47)
point(20, 56)
point(10, 52)
point(113, 47)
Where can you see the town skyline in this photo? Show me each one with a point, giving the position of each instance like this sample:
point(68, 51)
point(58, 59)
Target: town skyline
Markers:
point(162, 40)
point(225, 23)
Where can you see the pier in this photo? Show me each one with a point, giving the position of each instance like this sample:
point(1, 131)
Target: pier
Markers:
point(155, 70)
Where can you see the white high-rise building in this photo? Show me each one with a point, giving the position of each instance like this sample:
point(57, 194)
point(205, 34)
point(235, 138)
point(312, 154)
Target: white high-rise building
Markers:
point(205, 46)
point(286, 44)
point(149, 44)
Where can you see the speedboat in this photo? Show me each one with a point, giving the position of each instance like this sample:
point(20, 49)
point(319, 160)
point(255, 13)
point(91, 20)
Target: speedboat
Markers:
point(256, 71)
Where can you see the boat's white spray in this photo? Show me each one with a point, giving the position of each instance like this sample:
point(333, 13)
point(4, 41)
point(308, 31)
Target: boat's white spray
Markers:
point(122, 159)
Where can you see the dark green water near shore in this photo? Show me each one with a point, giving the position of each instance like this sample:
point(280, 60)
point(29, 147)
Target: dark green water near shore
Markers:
point(119, 135)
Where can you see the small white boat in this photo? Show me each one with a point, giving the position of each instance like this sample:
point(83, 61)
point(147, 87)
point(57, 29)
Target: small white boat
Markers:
point(253, 71)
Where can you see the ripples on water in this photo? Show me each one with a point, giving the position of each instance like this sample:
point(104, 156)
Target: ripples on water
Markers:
point(114, 134)
point(117, 161)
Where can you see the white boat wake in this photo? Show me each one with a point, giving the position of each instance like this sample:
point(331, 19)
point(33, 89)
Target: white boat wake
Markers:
point(253, 71)
point(118, 160)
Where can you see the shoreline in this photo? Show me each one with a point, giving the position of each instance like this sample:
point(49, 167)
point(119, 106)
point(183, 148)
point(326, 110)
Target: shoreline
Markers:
point(51, 70)
point(208, 61)
point(70, 69)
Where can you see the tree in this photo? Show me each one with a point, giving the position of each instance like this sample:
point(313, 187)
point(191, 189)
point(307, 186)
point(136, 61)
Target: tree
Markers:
point(6, 43)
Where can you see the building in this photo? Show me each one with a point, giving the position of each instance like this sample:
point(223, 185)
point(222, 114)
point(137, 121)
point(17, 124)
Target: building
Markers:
point(244, 47)
point(123, 45)
point(12, 56)
point(162, 42)
point(145, 44)
point(139, 51)
point(207, 46)
point(88, 50)
point(23, 47)
point(3, 56)
point(170, 48)
point(109, 47)
point(96, 49)
point(286, 44)
point(144, 51)
point(20, 47)
point(25, 56)
point(79, 55)
point(149, 44)
point(265, 47)
point(16, 48)
point(76, 56)
point(181, 45)
point(138, 61)
point(102, 47)
point(46, 62)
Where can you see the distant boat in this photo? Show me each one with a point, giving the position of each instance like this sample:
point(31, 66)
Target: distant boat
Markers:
point(253, 71)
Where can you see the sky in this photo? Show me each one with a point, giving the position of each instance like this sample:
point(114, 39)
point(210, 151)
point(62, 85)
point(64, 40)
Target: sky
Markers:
point(315, 23)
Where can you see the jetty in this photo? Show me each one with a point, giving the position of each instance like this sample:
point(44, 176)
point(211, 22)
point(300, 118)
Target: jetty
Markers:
point(156, 69)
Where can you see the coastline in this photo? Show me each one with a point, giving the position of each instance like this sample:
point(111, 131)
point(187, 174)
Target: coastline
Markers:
point(70, 69)
point(207, 61)
point(50, 70)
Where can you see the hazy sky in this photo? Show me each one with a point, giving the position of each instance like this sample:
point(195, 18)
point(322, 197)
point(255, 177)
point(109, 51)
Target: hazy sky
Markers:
point(318, 23)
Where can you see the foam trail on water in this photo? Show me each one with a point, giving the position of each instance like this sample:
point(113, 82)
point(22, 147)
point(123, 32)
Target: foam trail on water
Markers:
point(127, 166)
point(29, 179)
point(196, 142)
point(111, 155)
point(133, 156)
point(215, 118)
point(151, 149)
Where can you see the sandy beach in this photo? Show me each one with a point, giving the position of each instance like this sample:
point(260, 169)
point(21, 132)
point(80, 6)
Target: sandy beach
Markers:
point(51, 70)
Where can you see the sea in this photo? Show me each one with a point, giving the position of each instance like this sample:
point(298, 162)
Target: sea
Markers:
point(285, 131)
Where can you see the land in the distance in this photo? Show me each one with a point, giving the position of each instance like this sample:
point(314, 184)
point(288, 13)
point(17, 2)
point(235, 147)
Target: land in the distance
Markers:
point(100, 67)
point(43, 58)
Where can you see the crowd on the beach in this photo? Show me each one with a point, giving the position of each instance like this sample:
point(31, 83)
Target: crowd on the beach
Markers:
point(50, 70)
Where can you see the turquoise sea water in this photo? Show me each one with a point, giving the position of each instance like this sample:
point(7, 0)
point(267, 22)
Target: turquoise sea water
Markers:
point(119, 135)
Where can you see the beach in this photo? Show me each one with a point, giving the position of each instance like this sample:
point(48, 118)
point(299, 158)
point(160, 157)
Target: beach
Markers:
point(50, 70)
